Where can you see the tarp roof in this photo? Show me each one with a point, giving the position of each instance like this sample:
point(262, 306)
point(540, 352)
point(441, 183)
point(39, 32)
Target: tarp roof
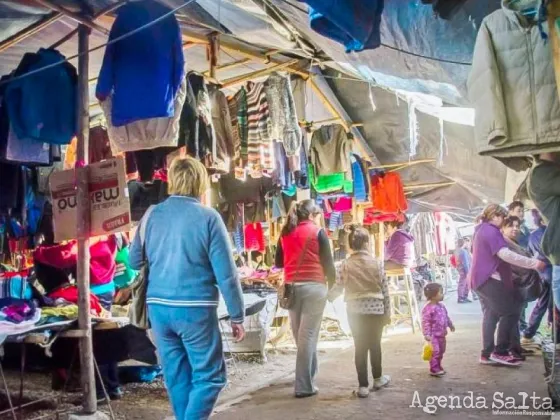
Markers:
point(421, 53)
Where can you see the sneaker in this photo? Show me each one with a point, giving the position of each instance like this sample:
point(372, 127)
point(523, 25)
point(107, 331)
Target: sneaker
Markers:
point(475, 297)
point(504, 359)
point(306, 394)
point(363, 392)
point(485, 360)
point(382, 382)
point(516, 356)
point(438, 374)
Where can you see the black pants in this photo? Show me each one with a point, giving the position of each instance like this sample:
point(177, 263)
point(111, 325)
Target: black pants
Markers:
point(366, 332)
point(543, 305)
point(501, 308)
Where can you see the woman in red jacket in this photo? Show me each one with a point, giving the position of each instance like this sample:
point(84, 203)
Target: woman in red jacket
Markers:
point(305, 254)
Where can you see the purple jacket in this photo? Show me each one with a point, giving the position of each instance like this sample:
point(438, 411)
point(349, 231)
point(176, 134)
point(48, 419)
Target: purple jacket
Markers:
point(400, 248)
point(435, 320)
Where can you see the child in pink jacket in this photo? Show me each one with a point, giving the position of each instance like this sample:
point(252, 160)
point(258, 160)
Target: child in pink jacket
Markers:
point(435, 322)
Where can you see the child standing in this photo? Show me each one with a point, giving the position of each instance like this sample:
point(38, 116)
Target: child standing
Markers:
point(435, 322)
point(362, 278)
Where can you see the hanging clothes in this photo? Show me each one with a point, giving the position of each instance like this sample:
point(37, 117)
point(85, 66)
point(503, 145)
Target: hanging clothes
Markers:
point(146, 133)
point(143, 72)
point(387, 193)
point(282, 175)
point(325, 184)
point(254, 237)
point(99, 147)
point(41, 106)
point(197, 130)
point(445, 233)
point(352, 23)
point(221, 120)
point(361, 185)
point(240, 120)
point(259, 142)
point(330, 150)
point(513, 88)
point(283, 117)
point(424, 232)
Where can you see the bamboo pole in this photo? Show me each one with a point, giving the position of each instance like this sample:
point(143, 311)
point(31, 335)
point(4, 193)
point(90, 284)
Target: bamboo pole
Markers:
point(259, 73)
point(553, 24)
point(230, 66)
point(105, 11)
point(30, 31)
point(84, 316)
point(74, 16)
point(213, 50)
point(403, 164)
point(411, 187)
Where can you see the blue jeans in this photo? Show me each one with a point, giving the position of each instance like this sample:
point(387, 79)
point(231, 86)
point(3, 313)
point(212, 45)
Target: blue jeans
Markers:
point(189, 344)
point(556, 285)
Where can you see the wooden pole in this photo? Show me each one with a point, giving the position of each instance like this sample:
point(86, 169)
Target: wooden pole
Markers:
point(229, 66)
point(428, 185)
point(31, 30)
point(84, 316)
point(402, 164)
point(553, 28)
point(213, 51)
point(259, 73)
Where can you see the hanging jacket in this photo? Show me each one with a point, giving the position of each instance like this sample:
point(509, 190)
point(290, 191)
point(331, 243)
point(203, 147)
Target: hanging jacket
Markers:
point(42, 106)
point(197, 130)
point(240, 121)
point(513, 88)
point(144, 71)
point(360, 180)
point(352, 23)
point(259, 142)
point(145, 134)
point(387, 193)
point(283, 117)
point(221, 120)
point(330, 149)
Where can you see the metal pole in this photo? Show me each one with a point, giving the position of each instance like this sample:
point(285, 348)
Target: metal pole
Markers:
point(84, 316)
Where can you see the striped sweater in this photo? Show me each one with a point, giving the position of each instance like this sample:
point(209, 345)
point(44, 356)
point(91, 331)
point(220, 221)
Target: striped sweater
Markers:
point(259, 141)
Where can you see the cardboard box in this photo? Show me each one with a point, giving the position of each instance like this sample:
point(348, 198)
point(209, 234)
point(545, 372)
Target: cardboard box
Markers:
point(108, 200)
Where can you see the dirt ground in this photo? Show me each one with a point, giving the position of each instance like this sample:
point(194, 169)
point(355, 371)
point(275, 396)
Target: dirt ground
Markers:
point(336, 381)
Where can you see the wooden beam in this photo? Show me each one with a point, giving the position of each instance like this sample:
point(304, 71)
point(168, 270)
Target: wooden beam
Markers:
point(411, 187)
point(213, 51)
point(259, 73)
point(75, 16)
point(402, 165)
point(30, 31)
point(83, 214)
point(104, 11)
point(230, 66)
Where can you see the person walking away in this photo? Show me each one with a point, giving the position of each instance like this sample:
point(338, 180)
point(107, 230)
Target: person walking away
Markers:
point(435, 322)
point(491, 277)
point(543, 185)
point(463, 261)
point(468, 248)
point(368, 306)
point(520, 277)
point(544, 303)
point(189, 264)
point(304, 253)
point(399, 250)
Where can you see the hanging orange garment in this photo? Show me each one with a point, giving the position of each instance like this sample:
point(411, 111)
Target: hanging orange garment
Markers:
point(387, 193)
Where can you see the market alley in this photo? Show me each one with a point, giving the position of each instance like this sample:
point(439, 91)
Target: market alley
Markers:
point(402, 360)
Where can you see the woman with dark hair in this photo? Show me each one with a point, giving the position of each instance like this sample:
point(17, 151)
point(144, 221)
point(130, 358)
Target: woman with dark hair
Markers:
point(368, 304)
point(491, 277)
point(399, 251)
point(305, 254)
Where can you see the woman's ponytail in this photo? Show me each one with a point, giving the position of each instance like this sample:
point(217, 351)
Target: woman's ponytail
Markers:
point(298, 213)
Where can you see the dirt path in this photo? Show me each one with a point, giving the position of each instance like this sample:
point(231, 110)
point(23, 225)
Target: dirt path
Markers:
point(410, 374)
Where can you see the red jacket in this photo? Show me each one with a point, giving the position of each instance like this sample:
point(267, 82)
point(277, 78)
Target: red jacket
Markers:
point(388, 194)
point(299, 266)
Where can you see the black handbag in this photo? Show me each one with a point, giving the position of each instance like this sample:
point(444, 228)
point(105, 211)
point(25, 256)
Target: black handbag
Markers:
point(287, 293)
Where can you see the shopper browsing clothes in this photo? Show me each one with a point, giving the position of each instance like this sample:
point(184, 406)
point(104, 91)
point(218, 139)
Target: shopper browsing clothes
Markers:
point(517, 209)
point(305, 254)
point(543, 185)
point(188, 263)
point(435, 322)
point(491, 277)
point(368, 305)
point(399, 250)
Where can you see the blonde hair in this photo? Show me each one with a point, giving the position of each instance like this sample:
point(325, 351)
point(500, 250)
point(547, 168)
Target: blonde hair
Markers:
point(492, 210)
point(188, 177)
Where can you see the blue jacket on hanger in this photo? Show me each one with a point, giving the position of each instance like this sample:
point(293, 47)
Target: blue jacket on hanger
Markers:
point(353, 23)
point(145, 70)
